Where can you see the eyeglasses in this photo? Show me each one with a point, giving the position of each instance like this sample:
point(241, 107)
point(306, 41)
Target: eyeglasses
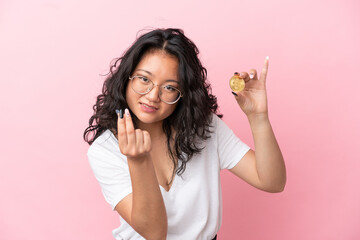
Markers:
point(167, 93)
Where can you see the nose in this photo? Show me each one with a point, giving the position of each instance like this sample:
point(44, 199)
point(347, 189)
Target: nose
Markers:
point(154, 94)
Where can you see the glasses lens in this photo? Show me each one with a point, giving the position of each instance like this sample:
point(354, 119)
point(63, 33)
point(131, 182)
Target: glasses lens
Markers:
point(169, 94)
point(141, 84)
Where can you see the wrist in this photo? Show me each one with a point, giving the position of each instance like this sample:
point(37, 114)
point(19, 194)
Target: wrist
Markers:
point(258, 117)
point(139, 159)
point(259, 122)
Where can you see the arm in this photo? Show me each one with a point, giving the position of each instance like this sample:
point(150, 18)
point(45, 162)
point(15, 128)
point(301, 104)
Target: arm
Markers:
point(144, 208)
point(264, 168)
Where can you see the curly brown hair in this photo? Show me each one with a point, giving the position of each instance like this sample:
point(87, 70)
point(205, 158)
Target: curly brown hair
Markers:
point(192, 117)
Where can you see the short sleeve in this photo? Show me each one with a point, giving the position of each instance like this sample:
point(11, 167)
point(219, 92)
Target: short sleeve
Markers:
point(230, 148)
point(110, 169)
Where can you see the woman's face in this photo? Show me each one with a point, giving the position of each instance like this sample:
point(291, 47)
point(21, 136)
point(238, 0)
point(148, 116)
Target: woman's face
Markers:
point(161, 68)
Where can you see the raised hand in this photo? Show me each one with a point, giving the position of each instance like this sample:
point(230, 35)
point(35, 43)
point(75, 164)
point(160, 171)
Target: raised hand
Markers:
point(253, 99)
point(133, 143)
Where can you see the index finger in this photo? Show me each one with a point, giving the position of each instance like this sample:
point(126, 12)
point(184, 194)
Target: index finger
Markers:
point(264, 69)
point(130, 131)
point(122, 138)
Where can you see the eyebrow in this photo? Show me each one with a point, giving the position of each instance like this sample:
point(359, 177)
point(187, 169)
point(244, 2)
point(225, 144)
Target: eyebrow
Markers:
point(169, 80)
point(144, 71)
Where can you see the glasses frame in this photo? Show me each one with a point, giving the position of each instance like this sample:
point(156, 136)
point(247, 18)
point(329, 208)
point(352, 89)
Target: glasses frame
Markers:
point(152, 87)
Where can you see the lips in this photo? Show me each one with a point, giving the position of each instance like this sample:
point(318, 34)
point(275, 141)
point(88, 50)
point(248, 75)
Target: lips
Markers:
point(149, 106)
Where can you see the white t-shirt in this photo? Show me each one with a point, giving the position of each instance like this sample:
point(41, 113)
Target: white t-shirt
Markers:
point(193, 203)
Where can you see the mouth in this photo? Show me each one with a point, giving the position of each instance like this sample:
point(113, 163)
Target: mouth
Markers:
point(148, 106)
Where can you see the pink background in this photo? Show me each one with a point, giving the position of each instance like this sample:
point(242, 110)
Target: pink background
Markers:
point(51, 55)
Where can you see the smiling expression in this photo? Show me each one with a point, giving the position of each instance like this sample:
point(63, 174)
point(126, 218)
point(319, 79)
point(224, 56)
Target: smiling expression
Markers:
point(161, 68)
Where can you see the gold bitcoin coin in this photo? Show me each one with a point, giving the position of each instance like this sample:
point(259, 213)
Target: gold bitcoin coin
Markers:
point(237, 83)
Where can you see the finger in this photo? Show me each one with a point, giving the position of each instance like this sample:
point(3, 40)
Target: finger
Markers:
point(264, 69)
point(240, 98)
point(147, 141)
point(139, 139)
point(122, 138)
point(245, 76)
point(130, 132)
point(253, 74)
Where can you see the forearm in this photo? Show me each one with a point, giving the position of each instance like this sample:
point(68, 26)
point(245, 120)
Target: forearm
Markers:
point(148, 215)
point(269, 160)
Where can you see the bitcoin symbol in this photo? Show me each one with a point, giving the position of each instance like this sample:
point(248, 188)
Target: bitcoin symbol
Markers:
point(237, 84)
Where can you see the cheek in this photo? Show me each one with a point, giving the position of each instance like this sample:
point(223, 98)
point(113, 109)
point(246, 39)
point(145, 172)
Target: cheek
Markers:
point(129, 96)
point(170, 110)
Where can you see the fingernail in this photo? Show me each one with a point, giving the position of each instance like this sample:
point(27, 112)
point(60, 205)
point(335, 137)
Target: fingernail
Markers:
point(121, 113)
point(117, 112)
point(251, 75)
point(127, 113)
point(241, 74)
point(267, 57)
point(234, 93)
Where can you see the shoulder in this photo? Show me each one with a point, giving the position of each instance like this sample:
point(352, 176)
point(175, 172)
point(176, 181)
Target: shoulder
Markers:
point(217, 124)
point(104, 148)
point(213, 121)
point(105, 141)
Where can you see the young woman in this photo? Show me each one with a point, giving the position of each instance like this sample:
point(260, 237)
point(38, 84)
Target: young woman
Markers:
point(158, 145)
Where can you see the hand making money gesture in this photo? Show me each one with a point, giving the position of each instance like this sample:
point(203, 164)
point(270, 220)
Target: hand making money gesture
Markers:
point(133, 143)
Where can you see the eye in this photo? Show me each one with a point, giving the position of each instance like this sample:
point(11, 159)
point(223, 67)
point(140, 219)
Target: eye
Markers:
point(143, 79)
point(169, 88)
